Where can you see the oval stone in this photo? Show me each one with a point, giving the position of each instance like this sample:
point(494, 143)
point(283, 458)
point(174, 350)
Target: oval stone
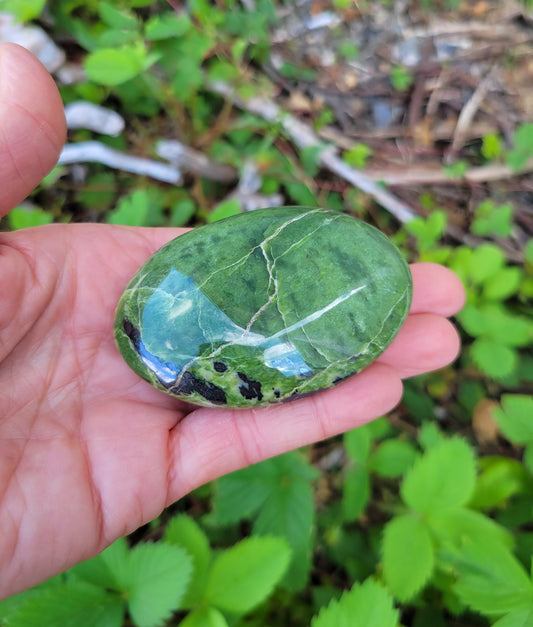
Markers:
point(263, 307)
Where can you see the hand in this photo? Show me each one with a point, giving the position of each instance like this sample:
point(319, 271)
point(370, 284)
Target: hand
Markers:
point(88, 451)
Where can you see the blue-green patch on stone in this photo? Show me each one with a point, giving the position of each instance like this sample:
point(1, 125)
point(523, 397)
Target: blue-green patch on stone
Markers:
point(263, 307)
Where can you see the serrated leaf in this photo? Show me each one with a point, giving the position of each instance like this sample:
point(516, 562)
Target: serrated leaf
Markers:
point(278, 493)
point(156, 582)
point(365, 605)
point(240, 494)
point(75, 604)
point(245, 575)
point(392, 458)
point(443, 478)
point(355, 492)
point(493, 358)
point(516, 417)
point(491, 580)
point(408, 556)
point(289, 512)
point(106, 570)
point(204, 617)
point(185, 532)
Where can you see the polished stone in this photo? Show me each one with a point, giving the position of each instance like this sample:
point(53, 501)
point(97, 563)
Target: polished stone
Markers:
point(263, 307)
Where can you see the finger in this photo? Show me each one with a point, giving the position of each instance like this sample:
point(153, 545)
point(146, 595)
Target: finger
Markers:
point(32, 124)
point(436, 290)
point(426, 342)
point(209, 443)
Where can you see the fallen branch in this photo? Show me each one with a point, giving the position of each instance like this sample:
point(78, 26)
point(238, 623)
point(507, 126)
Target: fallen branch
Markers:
point(96, 152)
point(304, 137)
point(188, 159)
point(437, 176)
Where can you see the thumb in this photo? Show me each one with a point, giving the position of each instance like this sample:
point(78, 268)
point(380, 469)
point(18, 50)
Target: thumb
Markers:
point(32, 124)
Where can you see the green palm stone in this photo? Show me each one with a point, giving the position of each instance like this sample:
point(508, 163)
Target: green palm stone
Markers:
point(263, 307)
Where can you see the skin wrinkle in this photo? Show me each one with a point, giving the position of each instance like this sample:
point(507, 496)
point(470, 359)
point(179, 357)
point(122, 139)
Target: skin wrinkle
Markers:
point(5, 146)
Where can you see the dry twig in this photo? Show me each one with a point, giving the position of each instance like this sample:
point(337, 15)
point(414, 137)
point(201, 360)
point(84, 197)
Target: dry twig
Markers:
point(304, 137)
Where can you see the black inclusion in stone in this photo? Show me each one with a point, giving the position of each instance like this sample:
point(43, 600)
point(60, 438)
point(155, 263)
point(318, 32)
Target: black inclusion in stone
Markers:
point(131, 332)
point(219, 366)
point(277, 393)
point(249, 389)
point(189, 384)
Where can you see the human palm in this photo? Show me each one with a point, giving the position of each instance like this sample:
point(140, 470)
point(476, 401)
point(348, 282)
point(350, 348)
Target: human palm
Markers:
point(88, 451)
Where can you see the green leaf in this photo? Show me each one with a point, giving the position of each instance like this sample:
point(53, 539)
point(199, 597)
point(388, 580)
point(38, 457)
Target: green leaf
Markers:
point(357, 443)
point(455, 170)
point(428, 231)
point(245, 575)
point(401, 78)
point(182, 212)
point(240, 494)
point(491, 147)
point(204, 617)
point(493, 358)
point(491, 580)
point(142, 207)
point(528, 457)
point(461, 527)
point(408, 556)
point(392, 458)
point(485, 261)
point(499, 479)
point(106, 570)
point(289, 513)
point(443, 478)
point(355, 492)
point(188, 78)
point(503, 284)
point(494, 321)
point(157, 577)
point(492, 220)
point(358, 155)
point(74, 604)
point(185, 532)
point(365, 605)
point(166, 26)
point(518, 618)
point(111, 66)
point(278, 492)
point(515, 417)
point(310, 158)
point(25, 217)
point(522, 151)
point(23, 10)
point(225, 210)
point(120, 19)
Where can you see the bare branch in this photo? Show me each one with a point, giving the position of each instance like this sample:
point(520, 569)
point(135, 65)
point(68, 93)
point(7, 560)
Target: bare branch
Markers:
point(304, 137)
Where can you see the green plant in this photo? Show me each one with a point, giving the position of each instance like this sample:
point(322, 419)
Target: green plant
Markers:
point(400, 77)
